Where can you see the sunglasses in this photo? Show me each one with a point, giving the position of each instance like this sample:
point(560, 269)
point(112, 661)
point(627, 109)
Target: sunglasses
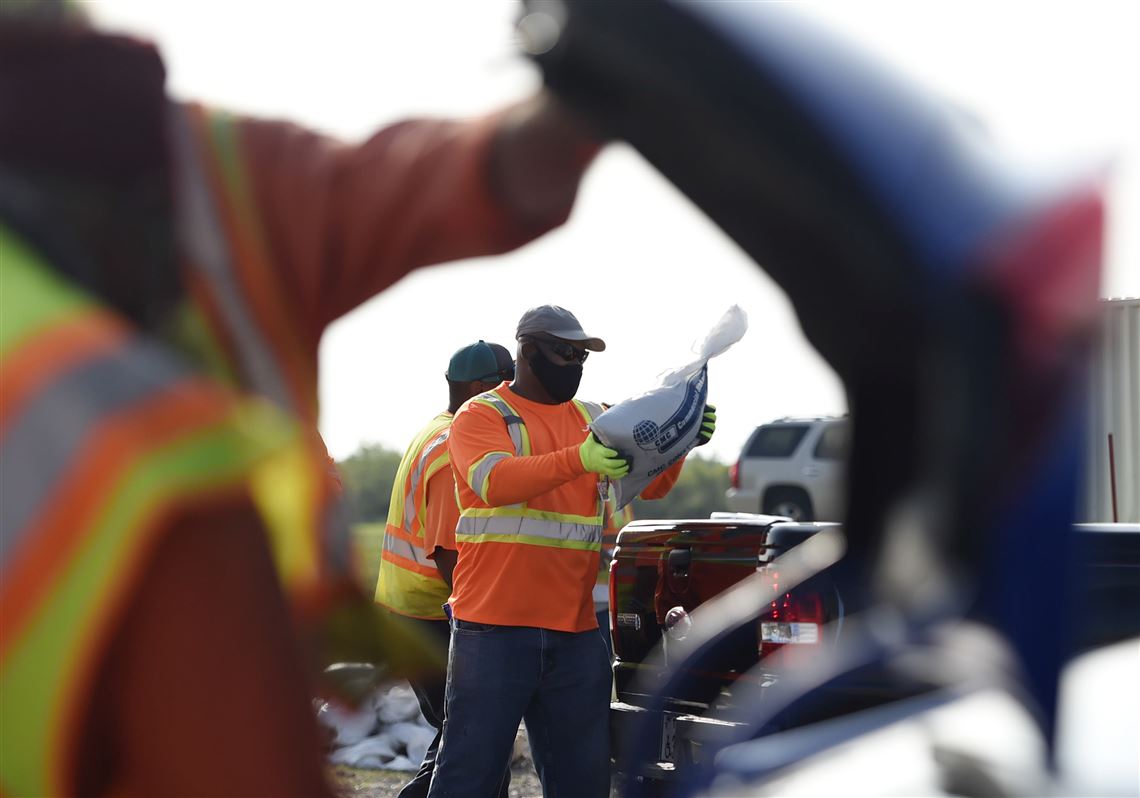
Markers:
point(560, 350)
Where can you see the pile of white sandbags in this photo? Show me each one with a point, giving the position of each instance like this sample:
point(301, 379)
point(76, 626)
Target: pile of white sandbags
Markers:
point(387, 731)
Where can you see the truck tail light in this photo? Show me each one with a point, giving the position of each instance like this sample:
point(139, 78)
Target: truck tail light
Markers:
point(791, 620)
point(734, 475)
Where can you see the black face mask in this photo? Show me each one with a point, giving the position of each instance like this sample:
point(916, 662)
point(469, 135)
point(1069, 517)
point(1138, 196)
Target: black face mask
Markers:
point(561, 382)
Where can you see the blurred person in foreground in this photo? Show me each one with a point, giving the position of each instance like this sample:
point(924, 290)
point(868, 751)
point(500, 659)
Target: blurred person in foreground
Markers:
point(525, 644)
point(168, 272)
point(419, 551)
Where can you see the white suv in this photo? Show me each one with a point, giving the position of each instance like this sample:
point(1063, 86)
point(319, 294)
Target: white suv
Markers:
point(793, 467)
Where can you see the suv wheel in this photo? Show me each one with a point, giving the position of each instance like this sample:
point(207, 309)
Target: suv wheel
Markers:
point(789, 502)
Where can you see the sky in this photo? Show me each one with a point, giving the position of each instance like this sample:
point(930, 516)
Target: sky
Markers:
point(637, 263)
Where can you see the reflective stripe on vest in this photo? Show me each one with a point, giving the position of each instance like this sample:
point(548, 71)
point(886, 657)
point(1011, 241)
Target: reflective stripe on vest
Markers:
point(417, 477)
point(98, 452)
point(613, 525)
point(480, 471)
point(209, 255)
point(408, 582)
point(518, 523)
point(239, 308)
point(407, 550)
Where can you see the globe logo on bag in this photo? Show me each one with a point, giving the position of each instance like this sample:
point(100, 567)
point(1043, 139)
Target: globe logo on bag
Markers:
point(649, 436)
point(644, 434)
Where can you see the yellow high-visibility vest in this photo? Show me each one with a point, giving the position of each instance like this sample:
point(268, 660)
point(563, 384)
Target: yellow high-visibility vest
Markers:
point(409, 583)
point(104, 436)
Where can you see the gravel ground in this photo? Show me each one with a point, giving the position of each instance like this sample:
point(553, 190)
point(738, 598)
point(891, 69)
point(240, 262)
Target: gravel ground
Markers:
point(361, 783)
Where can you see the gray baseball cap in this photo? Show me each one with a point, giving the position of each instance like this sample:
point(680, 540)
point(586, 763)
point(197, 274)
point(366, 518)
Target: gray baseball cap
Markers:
point(559, 323)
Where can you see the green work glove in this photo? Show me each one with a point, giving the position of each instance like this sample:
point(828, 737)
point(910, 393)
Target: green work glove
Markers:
point(708, 426)
point(600, 459)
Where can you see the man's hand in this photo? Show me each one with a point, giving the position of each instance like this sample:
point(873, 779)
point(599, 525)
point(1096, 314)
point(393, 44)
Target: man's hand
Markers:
point(538, 157)
point(445, 560)
point(708, 425)
point(601, 459)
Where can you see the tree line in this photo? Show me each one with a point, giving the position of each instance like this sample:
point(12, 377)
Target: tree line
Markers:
point(369, 472)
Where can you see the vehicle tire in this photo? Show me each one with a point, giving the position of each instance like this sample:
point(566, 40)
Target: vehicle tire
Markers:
point(789, 502)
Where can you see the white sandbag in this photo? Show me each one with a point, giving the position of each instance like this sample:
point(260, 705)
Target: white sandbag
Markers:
point(371, 752)
point(659, 427)
point(414, 738)
point(397, 704)
point(349, 727)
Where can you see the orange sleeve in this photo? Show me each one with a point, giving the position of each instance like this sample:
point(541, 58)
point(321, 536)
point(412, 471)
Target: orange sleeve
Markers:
point(344, 222)
point(517, 479)
point(659, 487)
point(442, 512)
point(478, 432)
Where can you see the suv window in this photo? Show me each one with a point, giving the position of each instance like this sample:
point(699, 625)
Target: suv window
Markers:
point(834, 442)
point(776, 440)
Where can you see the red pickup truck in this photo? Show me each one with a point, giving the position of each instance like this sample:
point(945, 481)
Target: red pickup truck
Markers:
point(662, 571)
point(674, 581)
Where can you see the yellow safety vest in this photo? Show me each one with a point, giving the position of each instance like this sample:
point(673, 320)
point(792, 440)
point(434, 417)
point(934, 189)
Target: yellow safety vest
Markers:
point(104, 435)
point(409, 583)
point(237, 325)
point(243, 327)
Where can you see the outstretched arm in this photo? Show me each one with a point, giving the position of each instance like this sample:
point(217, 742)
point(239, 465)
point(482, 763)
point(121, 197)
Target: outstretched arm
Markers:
point(538, 156)
point(343, 222)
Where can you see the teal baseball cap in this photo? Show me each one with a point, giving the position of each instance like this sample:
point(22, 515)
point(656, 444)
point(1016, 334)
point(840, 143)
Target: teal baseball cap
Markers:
point(481, 361)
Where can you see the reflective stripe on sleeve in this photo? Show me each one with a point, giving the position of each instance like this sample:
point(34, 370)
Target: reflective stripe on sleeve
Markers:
point(479, 474)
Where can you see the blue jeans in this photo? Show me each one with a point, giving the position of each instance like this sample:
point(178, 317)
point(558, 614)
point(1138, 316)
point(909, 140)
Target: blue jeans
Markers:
point(557, 682)
point(429, 690)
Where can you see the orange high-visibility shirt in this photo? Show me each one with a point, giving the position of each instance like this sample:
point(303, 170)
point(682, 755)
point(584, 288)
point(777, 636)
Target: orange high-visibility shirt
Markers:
point(515, 583)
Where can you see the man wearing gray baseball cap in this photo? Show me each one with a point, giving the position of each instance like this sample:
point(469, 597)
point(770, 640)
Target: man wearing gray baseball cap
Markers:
point(557, 322)
point(531, 481)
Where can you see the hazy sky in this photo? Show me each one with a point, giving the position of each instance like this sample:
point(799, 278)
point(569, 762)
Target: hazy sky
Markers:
point(637, 263)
